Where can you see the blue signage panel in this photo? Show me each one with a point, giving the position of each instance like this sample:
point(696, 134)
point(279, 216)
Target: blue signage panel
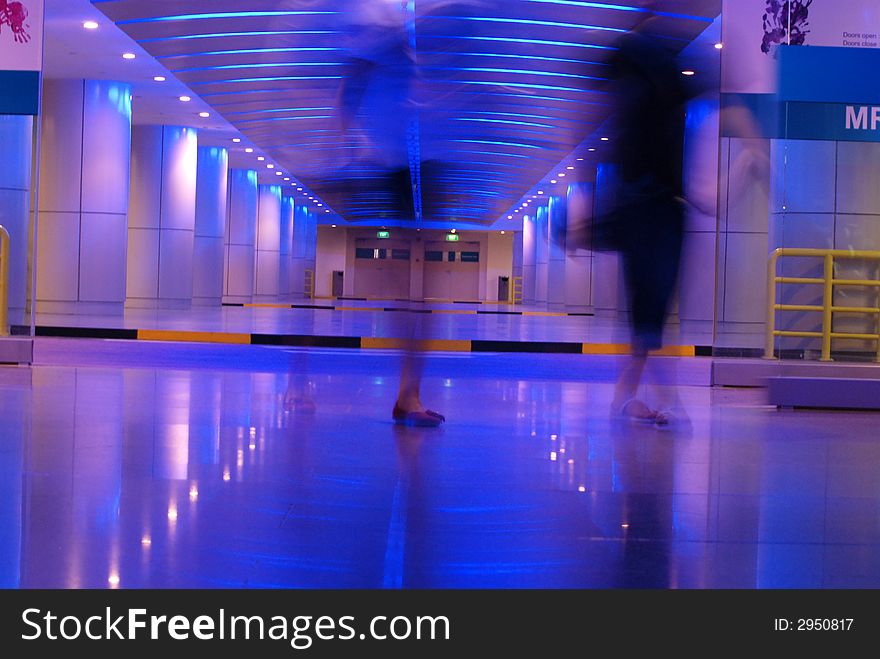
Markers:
point(19, 92)
point(839, 122)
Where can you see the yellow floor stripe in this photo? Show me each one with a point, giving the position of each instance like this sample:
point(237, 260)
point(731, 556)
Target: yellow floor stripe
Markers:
point(458, 312)
point(197, 337)
point(544, 313)
point(359, 309)
point(432, 345)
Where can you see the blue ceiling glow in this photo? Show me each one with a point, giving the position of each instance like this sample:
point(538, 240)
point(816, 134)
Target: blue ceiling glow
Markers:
point(591, 5)
point(227, 14)
point(524, 21)
point(539, 42)
point(531, 72)
point(268, 119)
point(326, 109)
point(504, 121)
point(225, 35)
point(562, 60)
point(248, 51)
point(506, 93)
point(273, 79)
point(260, 65)
point(505, 83)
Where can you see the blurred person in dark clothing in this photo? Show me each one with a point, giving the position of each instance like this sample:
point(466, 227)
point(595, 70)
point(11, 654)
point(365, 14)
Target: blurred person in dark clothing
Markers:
point(650, 210)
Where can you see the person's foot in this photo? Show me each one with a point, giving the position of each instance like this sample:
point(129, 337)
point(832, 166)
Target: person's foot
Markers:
point(420, 418)
point(634, 410)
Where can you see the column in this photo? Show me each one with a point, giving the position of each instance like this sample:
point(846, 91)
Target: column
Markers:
point(241, 236)
point(608, 295)
point(268, 246)
point(16, 136)
point(529, 244)
point(556, 231)
point(286, 252)
point(162, 215)
point(84, 188)
point(210, 225)
point(542, 254)
point(578, 260)
point(299, 261)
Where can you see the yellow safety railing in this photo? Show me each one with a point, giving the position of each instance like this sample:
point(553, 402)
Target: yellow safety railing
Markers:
point(4, 281)
point(310, 284)
point(827, 308)
point(516, 291)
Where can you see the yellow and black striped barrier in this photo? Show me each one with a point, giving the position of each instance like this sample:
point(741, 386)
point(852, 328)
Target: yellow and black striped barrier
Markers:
point(366, 343)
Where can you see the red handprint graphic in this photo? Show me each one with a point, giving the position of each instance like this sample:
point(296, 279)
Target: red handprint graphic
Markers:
point(14, 14)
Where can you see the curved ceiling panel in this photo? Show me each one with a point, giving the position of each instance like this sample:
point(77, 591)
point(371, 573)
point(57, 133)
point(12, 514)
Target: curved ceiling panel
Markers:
point(469, 103)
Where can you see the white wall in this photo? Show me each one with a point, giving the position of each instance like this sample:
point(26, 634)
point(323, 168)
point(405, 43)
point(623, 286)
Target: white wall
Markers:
point(331, 256)
point(499, 262)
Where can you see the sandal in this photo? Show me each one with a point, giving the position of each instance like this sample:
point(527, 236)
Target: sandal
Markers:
point(426, 419)
point(635, 410)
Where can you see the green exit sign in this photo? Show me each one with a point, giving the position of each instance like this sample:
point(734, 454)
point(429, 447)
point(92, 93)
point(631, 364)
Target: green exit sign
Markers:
point(452, 237)
point(383, 234)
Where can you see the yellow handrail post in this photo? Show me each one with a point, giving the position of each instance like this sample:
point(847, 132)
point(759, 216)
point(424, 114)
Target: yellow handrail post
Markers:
point(827, 302)
point(771, 305)
point(4, 281)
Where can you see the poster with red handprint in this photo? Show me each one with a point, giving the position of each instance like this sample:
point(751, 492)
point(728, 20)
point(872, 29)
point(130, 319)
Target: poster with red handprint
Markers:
point(21, 35)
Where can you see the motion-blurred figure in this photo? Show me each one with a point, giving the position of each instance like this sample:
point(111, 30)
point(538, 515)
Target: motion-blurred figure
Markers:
point(650, 209)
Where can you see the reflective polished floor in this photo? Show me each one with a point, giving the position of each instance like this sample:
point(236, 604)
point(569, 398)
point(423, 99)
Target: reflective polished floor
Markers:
point(175, 466)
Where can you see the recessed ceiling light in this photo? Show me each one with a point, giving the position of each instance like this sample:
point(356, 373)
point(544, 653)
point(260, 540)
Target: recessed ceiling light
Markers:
point(236, 139)
point(90, 25)
point(159, 78)
point(261, 158)
point(320, 204)
point(502, 233)
point(571, 166)
point(581, 159)
point(591, 149)
point(128, 55)
point(552, 180)
point(185, 99)
point(540, 192)
point(332, 226)
point(719, 46)
point(328, 210)
point(204, 115)
point(687, 72)
point(286, 178)
point(510, 217)
point(268, 165)
point(278, 173)
point(249, 150)
point(604, 139)
point(299, 189)
point(561, 174)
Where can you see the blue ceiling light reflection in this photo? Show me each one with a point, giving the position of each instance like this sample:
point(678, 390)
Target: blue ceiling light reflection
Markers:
point(268, 119)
